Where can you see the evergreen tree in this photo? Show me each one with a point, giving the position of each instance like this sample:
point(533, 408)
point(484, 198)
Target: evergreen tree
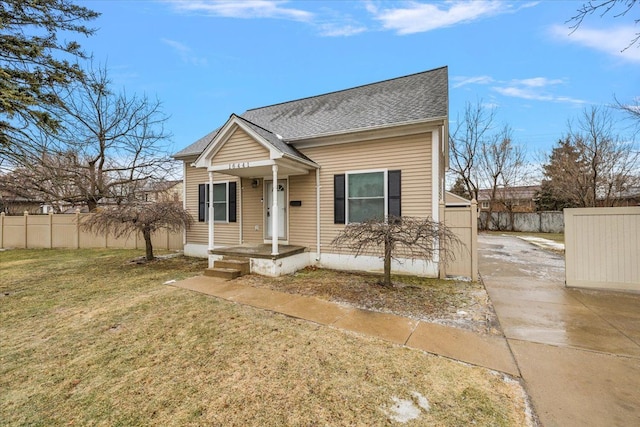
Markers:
point(35, 62)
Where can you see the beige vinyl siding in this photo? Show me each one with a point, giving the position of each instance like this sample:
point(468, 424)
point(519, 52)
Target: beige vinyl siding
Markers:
point(302, 219)
point(252, 212)
point(411, 154)
point(225, 233)
point(240, 147)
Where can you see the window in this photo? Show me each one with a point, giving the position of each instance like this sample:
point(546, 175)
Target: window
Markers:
point(359, 196)
point(365, 196)
point(224, 202)
point(485, 205)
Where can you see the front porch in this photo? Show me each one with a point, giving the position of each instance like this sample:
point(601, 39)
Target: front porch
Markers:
point(288, 260)
point(262, 251)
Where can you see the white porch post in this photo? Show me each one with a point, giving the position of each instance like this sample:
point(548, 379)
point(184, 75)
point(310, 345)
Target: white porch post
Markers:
point(211, 231)
point(274, 212)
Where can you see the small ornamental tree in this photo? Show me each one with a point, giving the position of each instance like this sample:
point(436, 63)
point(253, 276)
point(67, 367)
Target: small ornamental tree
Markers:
point(399, 237)
point(142, 217)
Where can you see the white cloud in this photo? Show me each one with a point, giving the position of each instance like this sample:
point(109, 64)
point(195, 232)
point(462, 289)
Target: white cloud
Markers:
point(184, 52)
point(421, 17)
point(612, 41)
point(535, 89)
point(463, 81)
point(243, 9)
point(334, 30)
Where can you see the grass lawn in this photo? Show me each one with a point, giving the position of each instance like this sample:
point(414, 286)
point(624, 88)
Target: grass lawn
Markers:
point(88, 338)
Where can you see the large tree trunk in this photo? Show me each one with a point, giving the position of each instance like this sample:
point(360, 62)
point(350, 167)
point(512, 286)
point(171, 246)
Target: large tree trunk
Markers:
point(147, 241)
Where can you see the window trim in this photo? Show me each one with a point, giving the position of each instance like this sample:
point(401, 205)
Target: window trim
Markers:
point(385, 175)
point(226, 202)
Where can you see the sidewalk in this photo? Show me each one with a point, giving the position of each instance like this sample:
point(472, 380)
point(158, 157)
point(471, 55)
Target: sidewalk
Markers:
point(578, 351)
point(486, 351)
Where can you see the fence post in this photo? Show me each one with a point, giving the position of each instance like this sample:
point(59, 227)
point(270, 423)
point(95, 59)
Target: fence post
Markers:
point(77, 228)
point(50, 230)
point(26, 228)
point(474, 239)
point(1, 230)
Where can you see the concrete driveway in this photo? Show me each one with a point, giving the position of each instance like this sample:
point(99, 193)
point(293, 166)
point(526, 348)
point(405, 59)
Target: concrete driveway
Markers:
point(578, 351)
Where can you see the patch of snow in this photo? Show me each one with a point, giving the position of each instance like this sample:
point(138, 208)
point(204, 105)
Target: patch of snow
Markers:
point(405, 410)
point(461, 313)
point(544, 243)
point(421, 401)
point(168, 282)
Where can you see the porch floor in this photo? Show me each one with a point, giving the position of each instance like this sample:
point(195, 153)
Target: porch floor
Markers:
point(259, 251)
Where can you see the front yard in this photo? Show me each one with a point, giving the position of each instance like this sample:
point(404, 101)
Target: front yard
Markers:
point(89, 338)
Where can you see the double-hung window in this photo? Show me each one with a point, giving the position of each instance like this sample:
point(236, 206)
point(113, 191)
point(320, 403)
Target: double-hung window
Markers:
point(367, 194)
point(224, 202)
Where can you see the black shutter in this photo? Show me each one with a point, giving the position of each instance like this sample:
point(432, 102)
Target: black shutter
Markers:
point(202, 202)
point(338, 199)
point(232, 202)
point(394, 207)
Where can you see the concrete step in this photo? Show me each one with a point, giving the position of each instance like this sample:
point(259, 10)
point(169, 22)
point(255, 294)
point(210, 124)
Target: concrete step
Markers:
point(238, 264)
point(223, 273)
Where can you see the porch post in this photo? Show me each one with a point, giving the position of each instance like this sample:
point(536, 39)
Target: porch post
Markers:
point(211, 231)
point(274, 212)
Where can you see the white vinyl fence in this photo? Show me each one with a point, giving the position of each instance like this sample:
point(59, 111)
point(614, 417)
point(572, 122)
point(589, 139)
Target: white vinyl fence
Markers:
point(602, 248)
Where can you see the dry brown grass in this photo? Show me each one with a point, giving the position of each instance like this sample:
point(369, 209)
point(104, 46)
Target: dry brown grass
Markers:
point(448, 302)
point(88, 338)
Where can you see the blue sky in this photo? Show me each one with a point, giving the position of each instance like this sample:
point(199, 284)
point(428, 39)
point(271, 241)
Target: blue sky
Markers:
point(207, 59)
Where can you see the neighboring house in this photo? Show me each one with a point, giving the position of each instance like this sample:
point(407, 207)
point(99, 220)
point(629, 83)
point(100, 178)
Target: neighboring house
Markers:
point(163, 191)
point(13, 204)
point(520, 199)
point(288, 177)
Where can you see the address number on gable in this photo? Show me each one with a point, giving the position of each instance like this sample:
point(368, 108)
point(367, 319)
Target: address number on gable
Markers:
point(239, 165)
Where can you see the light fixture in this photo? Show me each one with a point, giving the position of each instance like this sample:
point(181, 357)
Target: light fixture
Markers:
point(255, 183)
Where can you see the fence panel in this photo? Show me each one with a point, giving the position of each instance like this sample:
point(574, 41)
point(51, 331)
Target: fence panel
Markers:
point(463, 221)
point(602, 248)
point(531, 222)
point(63, 231)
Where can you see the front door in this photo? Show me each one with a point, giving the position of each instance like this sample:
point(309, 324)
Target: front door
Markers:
point(282, 208)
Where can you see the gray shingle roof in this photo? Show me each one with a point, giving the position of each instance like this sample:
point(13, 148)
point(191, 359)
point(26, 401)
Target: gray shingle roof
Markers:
point(401, 100)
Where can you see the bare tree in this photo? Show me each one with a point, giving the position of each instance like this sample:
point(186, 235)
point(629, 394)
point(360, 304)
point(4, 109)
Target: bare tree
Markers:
point(592, 165)
point(108, 145)
point(502, 165)
point(138, 217)
point(611, 162)
point(399, 237)
point(465, 143)
point(618, 8)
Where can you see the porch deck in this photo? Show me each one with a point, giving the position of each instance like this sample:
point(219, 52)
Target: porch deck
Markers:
point(262, 251)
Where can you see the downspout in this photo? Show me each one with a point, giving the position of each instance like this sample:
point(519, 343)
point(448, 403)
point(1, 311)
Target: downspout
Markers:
point(239, 204)
point(318, 215)
point(184, 201)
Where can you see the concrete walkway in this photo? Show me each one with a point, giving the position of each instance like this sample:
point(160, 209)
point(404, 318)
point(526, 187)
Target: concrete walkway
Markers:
point(487, 351)
point(578, 351)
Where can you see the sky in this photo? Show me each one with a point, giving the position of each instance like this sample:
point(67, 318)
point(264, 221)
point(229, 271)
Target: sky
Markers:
point(207, 59)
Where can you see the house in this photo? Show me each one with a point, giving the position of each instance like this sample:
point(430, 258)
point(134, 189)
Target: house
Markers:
point(516, 198)
point(281, 181)
point(162, 191)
